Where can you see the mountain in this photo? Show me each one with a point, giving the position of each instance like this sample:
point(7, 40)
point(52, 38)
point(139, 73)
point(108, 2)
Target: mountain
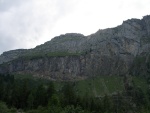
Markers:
point(114, 51)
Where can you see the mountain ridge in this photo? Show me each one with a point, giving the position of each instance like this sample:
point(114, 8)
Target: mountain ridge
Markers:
point(107, 52)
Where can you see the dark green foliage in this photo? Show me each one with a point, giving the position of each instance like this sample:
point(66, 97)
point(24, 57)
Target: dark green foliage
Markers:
point(35, 56)
point(3, 108)
point(30, 101)
point(37, 96)
point(107, 104)
point(24, 93)
point(50, 90)
point(68, 94)
point(1, 88)
point(54, 100)
point(54, 109)
point(60, 54)
point(40, 96)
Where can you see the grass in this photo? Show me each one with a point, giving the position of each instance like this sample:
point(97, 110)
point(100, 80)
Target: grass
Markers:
point(50, 54)
point(100, 85)
point(141, 83)
point(62, 54)
point(23, 76)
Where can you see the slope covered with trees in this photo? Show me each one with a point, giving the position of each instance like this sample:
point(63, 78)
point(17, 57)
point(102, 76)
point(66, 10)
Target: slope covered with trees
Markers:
point(43, 96)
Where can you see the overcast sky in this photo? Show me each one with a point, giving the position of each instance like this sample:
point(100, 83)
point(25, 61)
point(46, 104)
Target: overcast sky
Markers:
point(27, 23)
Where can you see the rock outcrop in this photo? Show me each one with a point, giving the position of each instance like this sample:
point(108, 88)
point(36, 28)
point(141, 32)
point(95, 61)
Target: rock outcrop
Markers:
point(107, 52)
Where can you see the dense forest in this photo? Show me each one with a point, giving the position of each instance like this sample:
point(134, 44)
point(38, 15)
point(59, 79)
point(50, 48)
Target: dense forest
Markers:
point(42, 96)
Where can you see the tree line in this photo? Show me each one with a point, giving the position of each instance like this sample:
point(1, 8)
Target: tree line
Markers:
point(34, 96)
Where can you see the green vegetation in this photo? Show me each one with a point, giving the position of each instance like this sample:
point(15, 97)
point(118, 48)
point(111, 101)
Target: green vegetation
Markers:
point(60, 54)
point(5, 109)
point(23, 76)
point(141, 83)
point(96, 86)
point(99, 86)
point(101, 94)
point(50, 54)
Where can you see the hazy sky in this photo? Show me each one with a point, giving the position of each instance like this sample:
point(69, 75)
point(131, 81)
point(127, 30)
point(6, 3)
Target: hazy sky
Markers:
point(27, 23)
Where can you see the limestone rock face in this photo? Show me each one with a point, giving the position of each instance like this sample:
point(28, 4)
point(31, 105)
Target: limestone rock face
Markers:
point(11, 55)
point(69, 42)
point(107, 52)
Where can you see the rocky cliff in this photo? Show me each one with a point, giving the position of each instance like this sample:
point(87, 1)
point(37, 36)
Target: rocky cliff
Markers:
point(112, 51)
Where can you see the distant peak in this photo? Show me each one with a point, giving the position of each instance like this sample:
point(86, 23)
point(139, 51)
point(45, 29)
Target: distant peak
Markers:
point(73, 34)
point(131, 20)
point(68, 35)
point(147, 16)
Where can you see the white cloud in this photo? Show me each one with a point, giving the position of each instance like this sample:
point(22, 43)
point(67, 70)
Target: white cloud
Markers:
point(27, 23)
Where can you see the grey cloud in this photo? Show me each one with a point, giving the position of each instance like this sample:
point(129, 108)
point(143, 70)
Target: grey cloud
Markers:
point(24, 22)
point(7, 43)
point(7, 4)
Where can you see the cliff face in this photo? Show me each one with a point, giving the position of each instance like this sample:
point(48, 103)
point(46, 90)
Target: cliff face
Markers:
point(107, 52)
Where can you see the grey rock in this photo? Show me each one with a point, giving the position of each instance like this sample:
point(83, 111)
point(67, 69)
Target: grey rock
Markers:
point(107, 52)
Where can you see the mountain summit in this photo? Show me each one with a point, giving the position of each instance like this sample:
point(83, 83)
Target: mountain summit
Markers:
point(115, 51)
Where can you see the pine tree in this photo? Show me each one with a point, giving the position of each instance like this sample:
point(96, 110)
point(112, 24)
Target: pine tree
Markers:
point(30, 101)
point(50, 90)
point(68, 94)
point(40, 97)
